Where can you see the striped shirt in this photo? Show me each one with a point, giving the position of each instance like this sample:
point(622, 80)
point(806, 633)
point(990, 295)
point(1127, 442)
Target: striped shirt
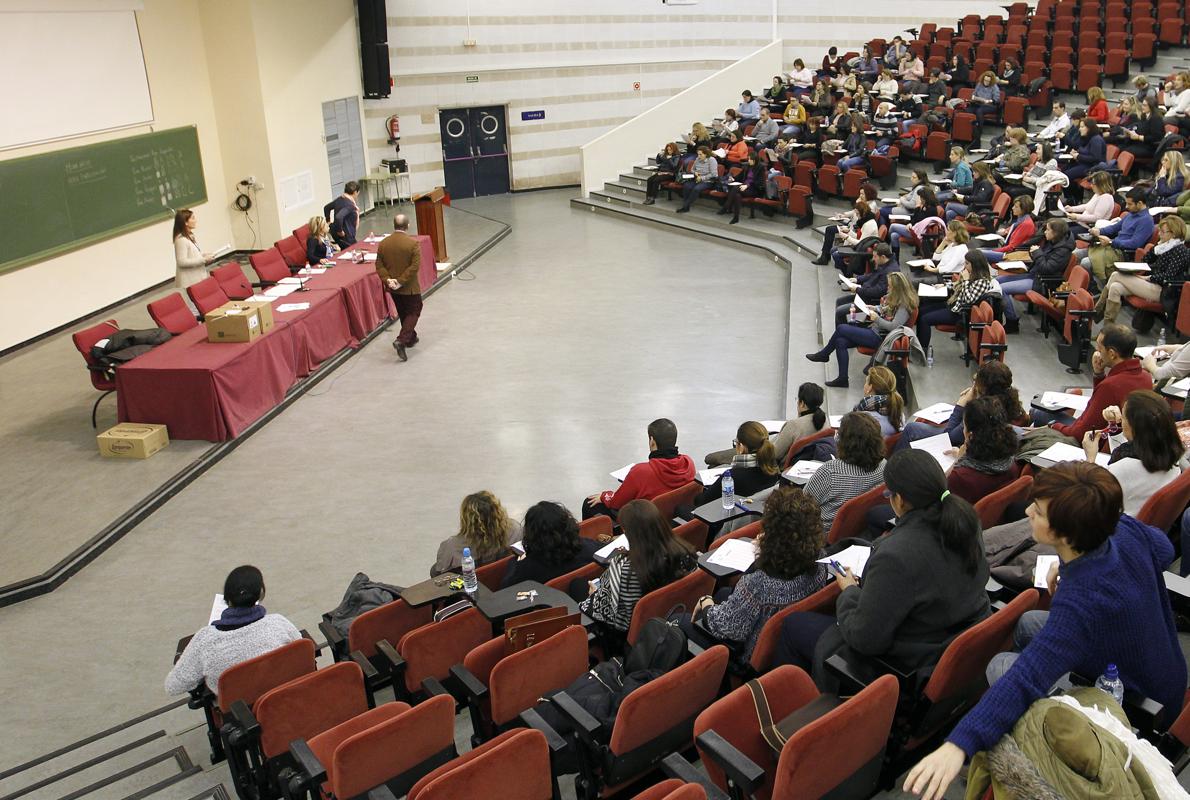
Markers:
point(619, 590)
point(838, 481)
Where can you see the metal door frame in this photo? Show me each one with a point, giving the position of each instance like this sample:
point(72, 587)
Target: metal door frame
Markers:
point(508, 139)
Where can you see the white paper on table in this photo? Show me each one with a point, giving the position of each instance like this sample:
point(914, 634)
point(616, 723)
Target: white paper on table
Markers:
point(1060, 451)
point(369, 256)
point(687, 176)
point(344, 256)
point(374, 238)
point(312, 271)
point(1182, 385)
point(292, 307)
point(937, 413)
point(1103, 223)
point(1133, 266)
point(708, 476)
point(989, 237)
point(259, 298)
point(618, 543)
point(622, 472)
point(773, 425)
point(290, 281)
point(281, 291)
point(734, 554)
point(1014, 176)
point(937, 446)
point(217, 608)
point(1041, 571)
point(932, 290)
point(892, 201)
point(1145, 352)
point(1075, 402)
point(854, 558)
point(899, 217)
point(921, 262)
point(1124, 189)
point(802, 470)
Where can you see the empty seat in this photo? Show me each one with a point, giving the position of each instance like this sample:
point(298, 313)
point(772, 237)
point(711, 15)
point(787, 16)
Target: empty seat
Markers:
point(84, 340)
point(293, 251)
point(233, 280)
point(513, 766)
point(269, 265)
point(172, 313)
point(207, 295)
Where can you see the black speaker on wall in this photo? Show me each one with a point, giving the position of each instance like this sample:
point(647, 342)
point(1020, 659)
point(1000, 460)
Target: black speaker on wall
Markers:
point(373, 46)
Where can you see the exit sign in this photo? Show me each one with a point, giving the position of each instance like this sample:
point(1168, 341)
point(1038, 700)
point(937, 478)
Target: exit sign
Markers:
point(472, 79)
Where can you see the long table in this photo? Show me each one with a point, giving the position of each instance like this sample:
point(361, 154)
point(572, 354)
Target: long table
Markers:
point(214, 391)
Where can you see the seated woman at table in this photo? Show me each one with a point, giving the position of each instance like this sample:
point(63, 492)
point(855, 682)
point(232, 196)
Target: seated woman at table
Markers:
point(319, 244)
point(979, 198)
point(810, 419)
point(861, 225)
point(244, 630)
point(974, 282)
point(1101, 205)
point(1047, 260)
point(986, 97)
point(484, 527)
point(785, 572)
point(668, 163)
point(1146, 451)
point(1110, 606)
point(754, 465)
point(655, 558)
point(1014, 157)
point(751, 184)
point(935, 549)
point(918, 179)
point(992, 379)
point(1036, 174)
point(552, 544)
point(1097, 109)
point(869, 329)
point(698, 137)
point(820, 101)
point(855, 147)
point(886, 85)
point(811, 138)
point(775, 95)
point(1169, 261)
point(858, 467)
point(1009, 79)
point(1017, 233)
point(1172, 179)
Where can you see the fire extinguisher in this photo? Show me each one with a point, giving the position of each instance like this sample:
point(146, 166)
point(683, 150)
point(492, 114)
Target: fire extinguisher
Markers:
point(393, 125)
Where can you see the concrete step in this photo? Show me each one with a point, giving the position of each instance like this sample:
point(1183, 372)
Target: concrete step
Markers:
point(633, 190)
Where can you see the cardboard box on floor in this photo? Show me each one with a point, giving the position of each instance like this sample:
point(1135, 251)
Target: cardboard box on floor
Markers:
point(234, 322)
point(132, 440)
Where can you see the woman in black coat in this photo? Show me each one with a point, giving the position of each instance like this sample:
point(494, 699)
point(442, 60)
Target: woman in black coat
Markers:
point(753, 468)
point(552, 546)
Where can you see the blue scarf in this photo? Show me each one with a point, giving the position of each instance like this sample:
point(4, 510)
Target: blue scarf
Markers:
point(233, 617)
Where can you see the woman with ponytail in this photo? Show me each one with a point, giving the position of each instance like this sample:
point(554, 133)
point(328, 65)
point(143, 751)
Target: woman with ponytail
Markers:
point(922, 586)
point(754, 466)
point(810, 419)
point(882, 400)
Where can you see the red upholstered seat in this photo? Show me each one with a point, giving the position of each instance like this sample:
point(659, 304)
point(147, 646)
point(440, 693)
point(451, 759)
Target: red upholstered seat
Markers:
point(250, 679)
point(804, 442)
point(269, 265)
point(682, 497)
point(207, 295)
point(431, 650)
point(492, 575)
point(309, 705)
point(994, 343)
point(518, 762)
point(595, 527)
point(84, 340)
point(302, 233)
point(1166, 505)
point(233, 280)
point(694, 532)
point(851, 518)
point(990, 508)
point(657, 603)
point(293, 251)
point(586, 573)
point(846, 743)
point(323, 745)
point(171, 313)
point(822, 602)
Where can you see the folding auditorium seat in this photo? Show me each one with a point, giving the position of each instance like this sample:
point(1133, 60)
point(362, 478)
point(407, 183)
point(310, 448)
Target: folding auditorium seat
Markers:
point(804, 442)
point(979, 318)
point(837, 751)
point(1165, 506)
point(963, 129)
point(829, 184)
point(655, 720)
point(1115, 40)
point(257, 739)
point(171, 313)
point(851, 518)
point(821, 602)
point(1116, 66)
point(971, 26)
point(685, 591)
point(233, 280)
point(993, 344)
point(84, 340)
point(391, 745)
point(207, 295)
point(370, 639)
point(513, 766)
point(801, 206)
point(1144, 49)
point(1170, 33)
point(985, 52)
point(991, 507)
point(427, 653)
point(269, 266)
point(952, 687)
point(1076, 330)
point(783, 184)
point(681, 497)
point(694, 532)
point(292, 251)
point(928, 29)
point(1062, 75)
point(499, 688)
point(853, 179)
point(944, 34)
point(1016, 111)
point(805, 176)
point(492, 575)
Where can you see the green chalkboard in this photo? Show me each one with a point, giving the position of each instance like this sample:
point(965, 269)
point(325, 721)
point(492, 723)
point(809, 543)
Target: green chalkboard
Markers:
point(64, 200)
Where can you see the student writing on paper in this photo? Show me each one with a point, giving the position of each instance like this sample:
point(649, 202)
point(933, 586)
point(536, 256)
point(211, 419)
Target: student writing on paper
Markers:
point(1147, 454)
point(992, 379)
point(244, 630)
point(1018, 232)
point(868, 330)
point(1048, 259)
point(706, 174)
point(665, 469)
point(785, 571)
point(922, 586)
point(810, 419)
point(861, 224)
point(974, 282)
point(552, 545)
point(1169, 261)
point(655, 558)
point(1116, 373)
point(1176, 366)
point(485, 527)
point(872, 286)
point(1076, 509)
point(319, 245)
point(754, 466)
point(858, 467)
point(979, 198)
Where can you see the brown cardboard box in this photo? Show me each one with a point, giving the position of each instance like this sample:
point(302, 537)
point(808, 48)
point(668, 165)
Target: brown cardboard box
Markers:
point(132, 440)
point(233, 322)
point(264, 309)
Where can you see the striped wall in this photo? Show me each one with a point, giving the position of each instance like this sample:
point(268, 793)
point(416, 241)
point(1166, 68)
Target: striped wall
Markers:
point(581, 63)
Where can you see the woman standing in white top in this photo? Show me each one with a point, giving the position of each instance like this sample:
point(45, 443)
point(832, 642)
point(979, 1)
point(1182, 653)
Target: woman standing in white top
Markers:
point(191, 261)
point(1147, 454)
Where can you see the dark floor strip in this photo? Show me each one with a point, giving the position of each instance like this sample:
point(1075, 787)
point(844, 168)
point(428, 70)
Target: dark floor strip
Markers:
point(77, 768)
point(217, 792)
point(170, 781)
point(122, 774)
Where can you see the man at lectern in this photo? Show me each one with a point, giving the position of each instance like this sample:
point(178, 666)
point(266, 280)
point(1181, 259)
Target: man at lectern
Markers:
point(398, 259)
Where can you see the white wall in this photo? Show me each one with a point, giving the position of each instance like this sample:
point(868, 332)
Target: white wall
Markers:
point(579, 61)
point(604, 157)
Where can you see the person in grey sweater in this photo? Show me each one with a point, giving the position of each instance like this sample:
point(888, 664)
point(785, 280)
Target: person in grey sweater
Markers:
point(706, 176)
point(923, 585)
point(785, 571)
point(766, 131)
point(867, 328)
point(809, 420)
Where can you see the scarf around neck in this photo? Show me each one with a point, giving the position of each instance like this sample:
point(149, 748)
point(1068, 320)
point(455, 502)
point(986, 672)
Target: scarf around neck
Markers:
point(233, 617)
point(996, 466)
point(664, 452)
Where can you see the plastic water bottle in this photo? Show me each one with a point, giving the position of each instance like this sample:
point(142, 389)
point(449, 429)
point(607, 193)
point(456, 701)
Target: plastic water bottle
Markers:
point(470, 584)
point(1161, 338)
point(1110, 682)
point(930, 356)
point(728, 490)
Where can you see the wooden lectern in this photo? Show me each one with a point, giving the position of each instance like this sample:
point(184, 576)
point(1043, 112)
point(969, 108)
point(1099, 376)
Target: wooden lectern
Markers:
point(429, 219)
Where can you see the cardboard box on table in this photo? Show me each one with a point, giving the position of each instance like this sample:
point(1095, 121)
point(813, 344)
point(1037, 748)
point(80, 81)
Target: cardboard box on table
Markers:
point(264, 308)
point(234, 322)
point(132, 440)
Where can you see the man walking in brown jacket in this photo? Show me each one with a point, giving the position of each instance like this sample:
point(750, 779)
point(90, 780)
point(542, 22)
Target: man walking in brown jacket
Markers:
point(398, 259)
